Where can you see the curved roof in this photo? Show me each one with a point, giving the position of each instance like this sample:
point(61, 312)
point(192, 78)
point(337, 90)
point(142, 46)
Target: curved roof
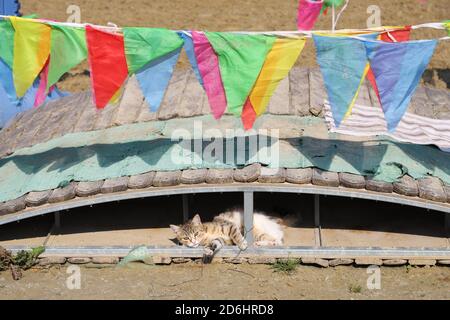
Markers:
point(302, 94)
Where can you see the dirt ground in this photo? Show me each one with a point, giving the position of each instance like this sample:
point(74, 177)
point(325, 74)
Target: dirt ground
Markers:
point(251, 15)
point(226, 282)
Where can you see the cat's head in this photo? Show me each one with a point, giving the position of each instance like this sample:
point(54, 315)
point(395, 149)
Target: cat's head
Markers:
point(191, 233)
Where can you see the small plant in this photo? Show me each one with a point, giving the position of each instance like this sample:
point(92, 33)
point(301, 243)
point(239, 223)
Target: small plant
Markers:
point(354, 288)
point(26, 259)
point(286, 265)
point(23, 260)
point(5, 259)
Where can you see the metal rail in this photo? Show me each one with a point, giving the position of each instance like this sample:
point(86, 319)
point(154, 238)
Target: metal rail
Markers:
point(231, 252)
point(235, 187)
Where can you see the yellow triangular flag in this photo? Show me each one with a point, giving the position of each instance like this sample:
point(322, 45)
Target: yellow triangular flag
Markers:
point(31, 51)
point(279, 62)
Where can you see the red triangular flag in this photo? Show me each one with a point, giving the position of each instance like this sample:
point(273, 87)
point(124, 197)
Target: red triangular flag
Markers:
point(248, 115)
point(108, 64)
point(400, 36)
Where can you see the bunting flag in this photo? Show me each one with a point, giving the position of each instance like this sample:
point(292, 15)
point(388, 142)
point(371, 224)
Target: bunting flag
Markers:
point(398, 68)
point(7, 109)
point(109, 70)
point(189, 49)
point(343, 63)
point(239, 72)
point(248, 115)
point(10, 7)
point(330, 3)
point(401, 35)
point(68, 49)
point(208, 65)
point(363, 34)
point(241, 58)
point(31, 51)
point(7, 81)
point(7, 42)
point(154, 78)
point(10, 105)
point(42, 90)
point(308, 12)
point(143, 45)
point(447, 26)
point(152, 55)
point(279, 62)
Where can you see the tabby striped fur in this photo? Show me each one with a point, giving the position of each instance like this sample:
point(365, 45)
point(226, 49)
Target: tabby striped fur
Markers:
point(227, 229)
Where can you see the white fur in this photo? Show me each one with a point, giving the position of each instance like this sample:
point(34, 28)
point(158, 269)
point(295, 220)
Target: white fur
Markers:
point(267, 231)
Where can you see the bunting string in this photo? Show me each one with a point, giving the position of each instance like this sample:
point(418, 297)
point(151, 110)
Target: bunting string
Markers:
point(239, 71)
point(303, 33)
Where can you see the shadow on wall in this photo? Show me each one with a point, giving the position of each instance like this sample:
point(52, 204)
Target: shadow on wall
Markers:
point(385, 159)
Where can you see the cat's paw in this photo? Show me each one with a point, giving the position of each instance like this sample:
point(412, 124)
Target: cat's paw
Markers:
point(243, 245)
point(208, 255)
point(265, 243)
point(258, 244)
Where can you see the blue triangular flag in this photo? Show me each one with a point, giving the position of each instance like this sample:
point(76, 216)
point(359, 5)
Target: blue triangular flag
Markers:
point(6, 80)
point(189, 49)
point(155, 76)
point(342, 61)
point(9, 7)
point(10, 105)
point(398, 68)
point(7, 109)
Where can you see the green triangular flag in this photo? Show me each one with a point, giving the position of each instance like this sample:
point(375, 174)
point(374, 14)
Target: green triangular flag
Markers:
point(329, 3)
point(143, 45)
point(241, 58)
point(447, 26)
point(7, 42)
point(67, 50)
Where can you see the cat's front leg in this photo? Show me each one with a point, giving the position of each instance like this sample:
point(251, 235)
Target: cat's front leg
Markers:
point(208, 255)
point(212, 249)
point(238, 239)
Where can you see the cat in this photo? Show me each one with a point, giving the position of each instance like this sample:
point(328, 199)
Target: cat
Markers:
point(227, 229)
point(267, 231)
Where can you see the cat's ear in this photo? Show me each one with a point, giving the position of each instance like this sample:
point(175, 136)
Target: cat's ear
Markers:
point(174, 228)
point(196, 219)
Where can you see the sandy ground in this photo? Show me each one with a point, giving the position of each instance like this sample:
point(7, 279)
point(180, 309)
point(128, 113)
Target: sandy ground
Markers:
point(252, 15)
point(225, 282)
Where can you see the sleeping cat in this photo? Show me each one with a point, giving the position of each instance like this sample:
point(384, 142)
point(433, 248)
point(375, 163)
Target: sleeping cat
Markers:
point(227, 229)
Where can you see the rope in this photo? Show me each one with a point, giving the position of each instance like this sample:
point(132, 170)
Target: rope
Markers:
point(340, 13)
point(297, 33)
